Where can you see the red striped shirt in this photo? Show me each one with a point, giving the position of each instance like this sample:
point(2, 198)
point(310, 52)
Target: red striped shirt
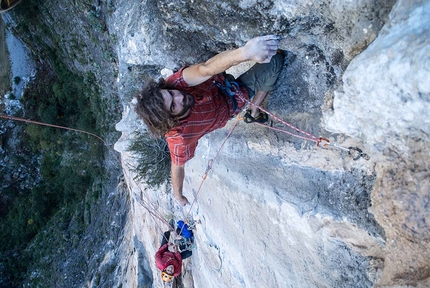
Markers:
point(211, 111)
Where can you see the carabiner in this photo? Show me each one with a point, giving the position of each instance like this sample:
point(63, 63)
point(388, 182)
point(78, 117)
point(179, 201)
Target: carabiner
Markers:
point(359, 153)
point(355, 152)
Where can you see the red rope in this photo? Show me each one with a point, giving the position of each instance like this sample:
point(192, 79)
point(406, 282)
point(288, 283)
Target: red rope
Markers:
point(50, 125)
point(308, 136)
point(210, 164)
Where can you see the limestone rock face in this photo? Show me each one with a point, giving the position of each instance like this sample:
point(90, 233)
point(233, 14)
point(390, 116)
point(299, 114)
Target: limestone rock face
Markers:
point(394, 105)
point(385, 100)
point(280, 212)
point(275, 210)
point(274, 204)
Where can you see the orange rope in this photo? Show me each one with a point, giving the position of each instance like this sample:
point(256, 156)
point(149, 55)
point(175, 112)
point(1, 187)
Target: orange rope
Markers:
point(49, 125)
point(210, 164)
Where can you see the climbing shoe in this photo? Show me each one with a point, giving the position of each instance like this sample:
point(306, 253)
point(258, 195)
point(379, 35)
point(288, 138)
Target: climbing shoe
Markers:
point(261, 118)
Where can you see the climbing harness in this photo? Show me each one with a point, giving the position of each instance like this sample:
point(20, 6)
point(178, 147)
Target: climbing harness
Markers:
point(229, 88)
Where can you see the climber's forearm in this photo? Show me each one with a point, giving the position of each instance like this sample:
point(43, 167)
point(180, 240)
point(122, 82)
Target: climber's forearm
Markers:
point(259, 49)
point(199, 73)
point(177, 177)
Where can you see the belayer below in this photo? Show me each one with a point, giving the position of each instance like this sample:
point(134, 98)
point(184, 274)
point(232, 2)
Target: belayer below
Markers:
point(173, 250)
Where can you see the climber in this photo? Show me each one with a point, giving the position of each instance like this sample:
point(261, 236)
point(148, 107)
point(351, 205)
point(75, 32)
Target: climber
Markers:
point(172, 251)
point(197, 100)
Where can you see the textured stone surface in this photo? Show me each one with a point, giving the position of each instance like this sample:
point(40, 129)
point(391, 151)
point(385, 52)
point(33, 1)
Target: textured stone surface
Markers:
point(276, 211)
point(395, 106)
point(385, 100)
point(273, 204)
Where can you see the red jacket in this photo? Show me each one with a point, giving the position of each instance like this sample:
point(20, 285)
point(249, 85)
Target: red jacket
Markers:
point(164, 258)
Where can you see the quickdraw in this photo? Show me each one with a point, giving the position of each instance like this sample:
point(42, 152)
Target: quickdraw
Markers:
point(208, 168)
point(355, 152)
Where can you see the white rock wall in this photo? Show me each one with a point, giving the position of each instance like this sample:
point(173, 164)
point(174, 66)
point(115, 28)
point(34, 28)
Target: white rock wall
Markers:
point(385, 91)
point(281, 213)
point(248, 234)
point(385, 100)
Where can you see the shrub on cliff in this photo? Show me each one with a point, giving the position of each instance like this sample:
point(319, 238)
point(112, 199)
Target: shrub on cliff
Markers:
point(153, 157)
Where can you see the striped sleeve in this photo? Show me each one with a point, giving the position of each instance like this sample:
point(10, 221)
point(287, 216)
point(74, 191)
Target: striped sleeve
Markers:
point(180, 153)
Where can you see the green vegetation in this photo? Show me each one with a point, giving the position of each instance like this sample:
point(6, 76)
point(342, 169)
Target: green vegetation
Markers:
point(153, 159)
point(52, 176)
point(17, 80)
point(96, 20)
point(68, 164)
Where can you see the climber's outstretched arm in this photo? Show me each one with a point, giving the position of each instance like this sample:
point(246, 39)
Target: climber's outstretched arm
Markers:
point(259, 49)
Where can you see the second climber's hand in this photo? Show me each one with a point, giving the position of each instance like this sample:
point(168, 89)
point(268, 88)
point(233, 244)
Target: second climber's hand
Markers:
point(182, 200)
point(262, 49)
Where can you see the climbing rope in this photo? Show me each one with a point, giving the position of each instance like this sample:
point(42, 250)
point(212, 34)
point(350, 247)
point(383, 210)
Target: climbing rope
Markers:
point(355, 152)
point(110, 149)
point(150, 208)
point(208, 168)
point(308, 136)
point(210, 164)
point(50, 125)
point(230, 88)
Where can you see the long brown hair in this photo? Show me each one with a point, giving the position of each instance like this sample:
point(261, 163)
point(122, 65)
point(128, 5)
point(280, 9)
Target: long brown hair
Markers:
point(150, 107)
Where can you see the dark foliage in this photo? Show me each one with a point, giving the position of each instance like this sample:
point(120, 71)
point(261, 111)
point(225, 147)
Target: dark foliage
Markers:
point(153, 158)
